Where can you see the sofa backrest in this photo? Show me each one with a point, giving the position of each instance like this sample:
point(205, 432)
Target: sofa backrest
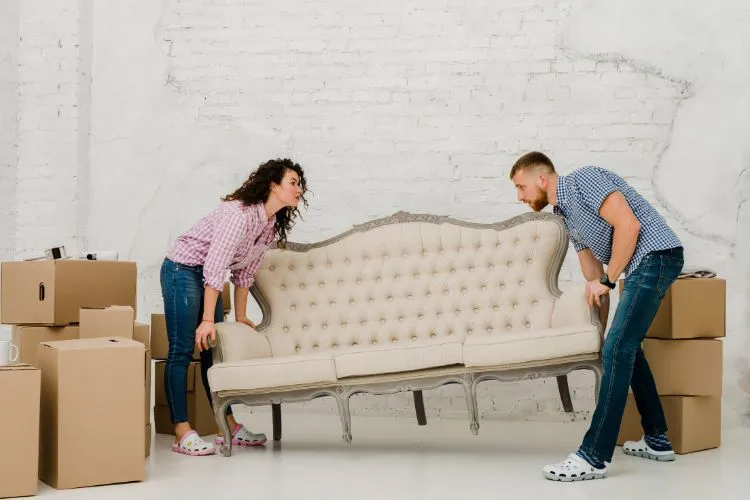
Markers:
point(409, 278)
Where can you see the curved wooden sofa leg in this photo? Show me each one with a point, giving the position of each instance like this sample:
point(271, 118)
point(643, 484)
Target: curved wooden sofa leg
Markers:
point(276, 417)
point(562, 386)
point(419, 407)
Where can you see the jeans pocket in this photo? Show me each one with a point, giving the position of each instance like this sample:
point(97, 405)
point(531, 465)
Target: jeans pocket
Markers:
point(670, 270)
point(648, 272)
point(674, 263)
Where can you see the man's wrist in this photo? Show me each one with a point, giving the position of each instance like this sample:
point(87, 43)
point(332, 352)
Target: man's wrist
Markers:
point(612, 279)
point(604, 280)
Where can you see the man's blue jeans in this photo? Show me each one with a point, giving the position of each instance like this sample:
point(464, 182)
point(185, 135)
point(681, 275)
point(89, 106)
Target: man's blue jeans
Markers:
point(622, 355)
point(182, 291)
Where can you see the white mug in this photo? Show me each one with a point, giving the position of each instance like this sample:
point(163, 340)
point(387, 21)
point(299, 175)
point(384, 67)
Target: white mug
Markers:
point(6, 348)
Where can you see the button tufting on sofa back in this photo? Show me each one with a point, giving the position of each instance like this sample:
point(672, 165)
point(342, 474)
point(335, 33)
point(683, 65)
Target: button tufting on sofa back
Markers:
point(409, 282)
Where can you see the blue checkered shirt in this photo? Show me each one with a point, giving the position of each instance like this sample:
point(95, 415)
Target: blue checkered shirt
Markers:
point(579, 197)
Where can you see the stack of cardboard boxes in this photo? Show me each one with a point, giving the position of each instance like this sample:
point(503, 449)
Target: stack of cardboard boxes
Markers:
point(200, 414)
point(79, 402)
point(685, 353)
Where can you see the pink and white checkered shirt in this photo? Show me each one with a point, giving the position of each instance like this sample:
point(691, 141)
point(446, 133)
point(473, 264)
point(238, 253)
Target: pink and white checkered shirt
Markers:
point(233, 237)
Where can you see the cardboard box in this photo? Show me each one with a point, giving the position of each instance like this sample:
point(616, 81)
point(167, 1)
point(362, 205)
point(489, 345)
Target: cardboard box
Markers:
point(160, 393)
point(200, 412)
point(686, 367)
point(148, 387)
point(112, 321)
point(162, 420)
point(159, 340)
point(200, 416)
point(149, 431)
point(28, 338)
point(52, 292)
point(142, 333)
point(692, 308)
point(694, 423)
point(226, 297)
point(20, 388)
point(83, 381)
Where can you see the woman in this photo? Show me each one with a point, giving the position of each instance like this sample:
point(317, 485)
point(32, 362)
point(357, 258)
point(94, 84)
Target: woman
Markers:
point(234, 237)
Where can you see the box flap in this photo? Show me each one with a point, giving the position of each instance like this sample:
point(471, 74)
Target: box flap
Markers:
point(19, 367)
point(98, 343)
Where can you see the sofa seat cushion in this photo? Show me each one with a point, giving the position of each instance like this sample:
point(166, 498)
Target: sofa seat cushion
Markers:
point(399, 356)
point(272, 372)
point(536, 345)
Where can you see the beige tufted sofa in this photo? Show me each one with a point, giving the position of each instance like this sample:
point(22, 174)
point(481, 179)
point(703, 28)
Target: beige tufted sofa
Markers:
point(407, 303)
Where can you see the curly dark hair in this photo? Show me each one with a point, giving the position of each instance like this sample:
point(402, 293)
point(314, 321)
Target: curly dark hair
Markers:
point(257, 188)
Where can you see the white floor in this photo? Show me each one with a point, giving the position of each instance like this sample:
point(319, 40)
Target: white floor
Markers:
point(394, 459)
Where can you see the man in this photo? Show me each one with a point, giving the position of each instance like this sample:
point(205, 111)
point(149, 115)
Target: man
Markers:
point(610, 223)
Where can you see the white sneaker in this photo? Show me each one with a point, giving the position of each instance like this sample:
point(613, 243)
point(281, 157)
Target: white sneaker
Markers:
point(643, 450)
point(574, 468)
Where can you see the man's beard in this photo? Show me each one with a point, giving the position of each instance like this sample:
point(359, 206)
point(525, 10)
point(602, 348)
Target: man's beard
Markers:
point(541, 201)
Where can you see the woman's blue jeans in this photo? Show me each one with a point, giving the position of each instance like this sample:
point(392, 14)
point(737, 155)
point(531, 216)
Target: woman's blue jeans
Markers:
point(182, 290)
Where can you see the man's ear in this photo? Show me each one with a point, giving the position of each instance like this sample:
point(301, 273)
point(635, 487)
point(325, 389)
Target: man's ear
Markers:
point(542, 181)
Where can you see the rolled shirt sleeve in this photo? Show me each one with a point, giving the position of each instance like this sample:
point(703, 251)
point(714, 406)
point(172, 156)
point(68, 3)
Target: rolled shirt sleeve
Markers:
point(597, 187)
point(245, 277)
point(575, 237)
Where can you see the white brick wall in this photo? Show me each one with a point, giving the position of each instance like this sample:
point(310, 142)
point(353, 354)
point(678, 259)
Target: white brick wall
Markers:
point(395, 105)
point(8, 131)
point(48, 155)
point(8, 124)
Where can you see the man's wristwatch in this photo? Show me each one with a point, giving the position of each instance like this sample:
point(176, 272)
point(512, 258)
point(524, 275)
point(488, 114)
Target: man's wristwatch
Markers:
point(604, 280)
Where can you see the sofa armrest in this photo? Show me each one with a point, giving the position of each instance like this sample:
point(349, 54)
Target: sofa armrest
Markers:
point(571, 309)
point(238, 342)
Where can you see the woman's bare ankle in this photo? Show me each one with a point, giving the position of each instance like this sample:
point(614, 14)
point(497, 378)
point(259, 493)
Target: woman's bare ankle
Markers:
point(232, 426)
point(180, 430)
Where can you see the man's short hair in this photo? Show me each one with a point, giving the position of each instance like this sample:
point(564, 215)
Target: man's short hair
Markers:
point(534, 160)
